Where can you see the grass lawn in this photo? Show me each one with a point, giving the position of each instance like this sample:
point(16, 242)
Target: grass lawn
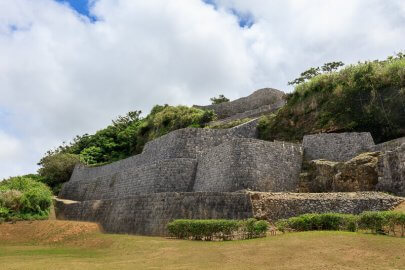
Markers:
point(75, 245)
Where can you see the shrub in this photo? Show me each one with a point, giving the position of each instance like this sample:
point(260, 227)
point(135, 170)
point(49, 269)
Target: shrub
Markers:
point(24, 198)
point(56, 169)
point(325, 221)
point(216, 229)
point(377, 222)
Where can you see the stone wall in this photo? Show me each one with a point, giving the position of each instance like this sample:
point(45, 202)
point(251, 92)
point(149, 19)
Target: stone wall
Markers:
point(148, 214)
point(336, 146)
point(173, 175)
point(391, 171)
point(275, 206)
point(272, 98)
point(190, 142)
point(249, 164)
point(390, 145)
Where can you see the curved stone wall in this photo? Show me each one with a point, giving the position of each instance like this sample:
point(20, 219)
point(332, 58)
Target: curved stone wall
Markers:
point(249, 164)
point(173, 175)
point(262, 100)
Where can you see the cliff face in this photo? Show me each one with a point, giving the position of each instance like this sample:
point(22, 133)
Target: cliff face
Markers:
point(357, 174)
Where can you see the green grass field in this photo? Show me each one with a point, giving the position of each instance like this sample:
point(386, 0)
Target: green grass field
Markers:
point(74, 245)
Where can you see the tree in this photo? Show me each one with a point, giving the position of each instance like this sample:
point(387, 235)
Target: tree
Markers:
point(315, 71)
point(332, 66)
point(306, 75)
point(57, 169)
point(219, 99)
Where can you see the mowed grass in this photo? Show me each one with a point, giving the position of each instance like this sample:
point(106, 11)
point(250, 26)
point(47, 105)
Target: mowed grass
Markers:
point(75, 245)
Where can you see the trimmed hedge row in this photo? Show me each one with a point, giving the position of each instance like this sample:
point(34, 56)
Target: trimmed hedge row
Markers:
point(378, 222)
point(222, 229)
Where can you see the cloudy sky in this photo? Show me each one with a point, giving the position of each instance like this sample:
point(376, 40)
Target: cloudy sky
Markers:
point(70, 67)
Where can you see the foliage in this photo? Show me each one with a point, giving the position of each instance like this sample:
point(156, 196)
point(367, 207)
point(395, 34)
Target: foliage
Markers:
point(56, 169)
point(366, 97)
point(325, 221)
point(219, 99)
point(216, 229)
point(126, 136)
point(377, 222)
point(22, 197)
point(315, 71)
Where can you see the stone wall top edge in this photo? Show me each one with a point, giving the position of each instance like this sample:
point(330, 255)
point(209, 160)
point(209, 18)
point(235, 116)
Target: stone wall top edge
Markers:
point(329, 195)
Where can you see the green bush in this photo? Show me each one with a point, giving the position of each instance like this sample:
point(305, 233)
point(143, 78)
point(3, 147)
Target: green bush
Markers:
point(24, 198)
point(382, 222)
point(325, 221)
point(216, 229)
point(377, 222)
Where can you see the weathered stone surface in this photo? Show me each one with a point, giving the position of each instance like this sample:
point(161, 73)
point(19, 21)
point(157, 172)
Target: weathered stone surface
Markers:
point(170, 175)
point(358, 174)
point(336, 146)
point(275, 206)
point(262, 101)
point(249, 164)
point(391, 171)
point(390, 145)
point(148, 214)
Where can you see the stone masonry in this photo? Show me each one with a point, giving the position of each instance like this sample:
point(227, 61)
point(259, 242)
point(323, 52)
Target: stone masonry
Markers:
point(228, 173)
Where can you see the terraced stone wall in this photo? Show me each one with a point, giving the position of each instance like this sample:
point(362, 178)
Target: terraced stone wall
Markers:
point(249, 164)
point(173, 175)
point(336, 146)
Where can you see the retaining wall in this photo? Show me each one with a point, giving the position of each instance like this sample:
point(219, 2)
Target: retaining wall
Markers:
point(149, 214)
point(391, 171)
point(249, 164)
point(174, 175)
point(275, 206)
point(336, 146)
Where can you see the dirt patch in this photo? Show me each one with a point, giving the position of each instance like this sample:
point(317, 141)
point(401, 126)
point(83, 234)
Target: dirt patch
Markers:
point(400, 207)
point(47, 231)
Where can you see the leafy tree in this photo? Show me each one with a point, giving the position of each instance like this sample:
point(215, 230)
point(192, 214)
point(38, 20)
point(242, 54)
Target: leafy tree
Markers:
point(315, 71)
point(219, 99)
point(56, 168)
point(332, 66)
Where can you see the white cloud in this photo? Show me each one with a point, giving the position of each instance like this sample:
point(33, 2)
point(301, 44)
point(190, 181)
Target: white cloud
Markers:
point(61, 75)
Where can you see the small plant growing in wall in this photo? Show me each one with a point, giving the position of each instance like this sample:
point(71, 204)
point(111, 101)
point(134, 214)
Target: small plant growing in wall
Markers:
point(218, 100)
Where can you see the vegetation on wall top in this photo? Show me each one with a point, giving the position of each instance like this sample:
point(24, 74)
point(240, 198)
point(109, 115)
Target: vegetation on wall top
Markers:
point(366, 97)
point(126, 136)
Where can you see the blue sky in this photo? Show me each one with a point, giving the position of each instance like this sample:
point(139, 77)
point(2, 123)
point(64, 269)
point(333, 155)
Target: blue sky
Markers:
point(81, 6)
point(245, 19)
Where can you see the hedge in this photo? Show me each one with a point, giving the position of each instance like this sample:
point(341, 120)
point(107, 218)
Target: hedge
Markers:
point(222, 229)
point(377, 221)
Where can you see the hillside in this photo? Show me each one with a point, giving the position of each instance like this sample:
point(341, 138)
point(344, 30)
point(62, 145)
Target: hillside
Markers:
point(366, 97)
